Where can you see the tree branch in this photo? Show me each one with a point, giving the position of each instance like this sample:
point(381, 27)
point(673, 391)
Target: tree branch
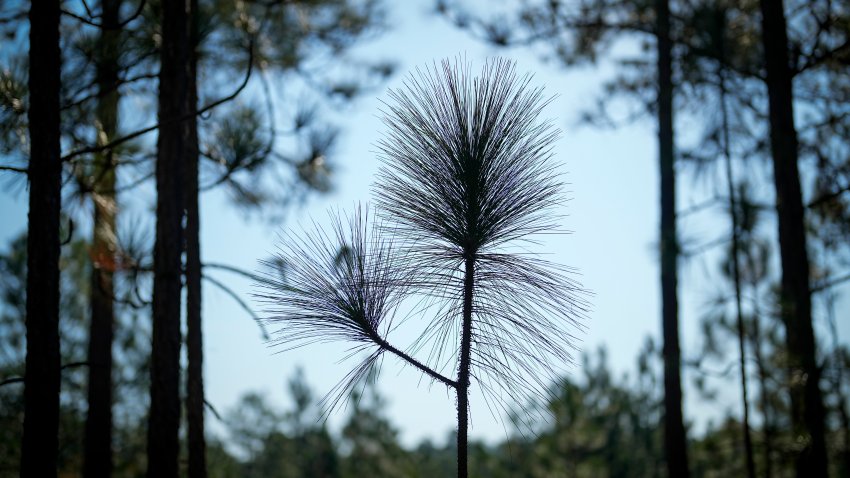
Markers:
point(383, 344)
point(213, 410)
point(829, 283)
point(12, 380)
point(121, 25)
point(814, 61)
point(241, 303)
point(144, 131)
point(100, 94)
point(827, 197)
point(235, 270)
point(13, 169)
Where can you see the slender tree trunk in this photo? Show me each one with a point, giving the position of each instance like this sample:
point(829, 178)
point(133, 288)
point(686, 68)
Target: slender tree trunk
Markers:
point(40, 445)
point(463, 371)
point(736, 249)
point(739, 314)
point(164, 419)
point(194, 342)
point(98, 432)
point(675, 443)
point(807, 409)
point(767, 408)
point(837, 383)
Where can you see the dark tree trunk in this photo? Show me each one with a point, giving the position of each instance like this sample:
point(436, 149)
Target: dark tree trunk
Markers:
point(164, 419)
point(98, 431)
point(194, 342)
point(675, 444)
point(40, 445)
point(739, 314)
point(463, 371)
point(807, 409)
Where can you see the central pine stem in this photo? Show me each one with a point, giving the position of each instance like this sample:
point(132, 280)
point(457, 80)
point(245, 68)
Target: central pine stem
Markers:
point(463, 370)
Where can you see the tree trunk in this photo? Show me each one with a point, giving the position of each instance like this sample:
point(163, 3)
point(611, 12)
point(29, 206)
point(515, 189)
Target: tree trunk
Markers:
point(194, 342)
point(40, 444)
point(807, 409)
point(736, 250)
point(675, 444)
point(164, 419)
point(463, 371)
point(762, 366)
point(98, 429)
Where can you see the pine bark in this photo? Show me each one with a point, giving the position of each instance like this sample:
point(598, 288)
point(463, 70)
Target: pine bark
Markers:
point(164, 420)
point(42, 371)
point(97, 453)
point(675, 444)
point(807, 409)
point(194, 331)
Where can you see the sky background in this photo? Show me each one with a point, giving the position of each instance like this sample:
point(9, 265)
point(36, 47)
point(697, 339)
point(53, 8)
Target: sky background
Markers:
point(613, 213)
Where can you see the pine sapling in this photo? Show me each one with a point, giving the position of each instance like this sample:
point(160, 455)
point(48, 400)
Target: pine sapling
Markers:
point(466, 187)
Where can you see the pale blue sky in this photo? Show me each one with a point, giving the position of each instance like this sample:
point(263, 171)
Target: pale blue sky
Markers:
point(613, 213)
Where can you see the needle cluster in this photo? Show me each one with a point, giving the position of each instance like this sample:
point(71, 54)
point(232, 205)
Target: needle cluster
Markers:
point(468, 174)
point(341, 285)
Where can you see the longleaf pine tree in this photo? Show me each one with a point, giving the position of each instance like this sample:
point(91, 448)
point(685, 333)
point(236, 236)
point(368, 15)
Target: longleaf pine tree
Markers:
point(467, 183)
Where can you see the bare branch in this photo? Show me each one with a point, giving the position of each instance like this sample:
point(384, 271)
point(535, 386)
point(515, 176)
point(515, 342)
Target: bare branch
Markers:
point(829, 283)
point(235, 270)
point(119, 26)
point(213, 410)
point(13, 169)
point(241, 303)
point(383, 344)
point(12, 380)
point(827, 197)
point(144, 131)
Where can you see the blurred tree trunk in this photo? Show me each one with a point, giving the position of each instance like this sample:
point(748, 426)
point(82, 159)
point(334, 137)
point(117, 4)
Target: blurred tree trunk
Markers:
point(807, 409)
point(40, 442)
point(675, 444)
point(164, 419)
point(194, 342)
point(765, 402)
point(720, 32)
point(98, 431)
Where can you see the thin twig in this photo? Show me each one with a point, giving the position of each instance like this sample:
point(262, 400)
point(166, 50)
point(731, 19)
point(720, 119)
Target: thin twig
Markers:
point(235, 270)
point(12, 380)
point(241, 303)
point(13, 169)
point(213, 410)
point(119, 26)
point(829, 283)
point(827, 197)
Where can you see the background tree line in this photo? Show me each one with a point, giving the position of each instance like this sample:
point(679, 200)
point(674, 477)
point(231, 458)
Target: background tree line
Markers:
point(766, 81)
